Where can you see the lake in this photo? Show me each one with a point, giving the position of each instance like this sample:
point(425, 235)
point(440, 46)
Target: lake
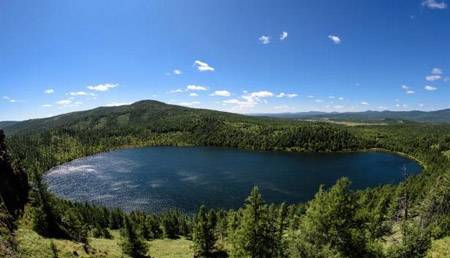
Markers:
point(153, 179)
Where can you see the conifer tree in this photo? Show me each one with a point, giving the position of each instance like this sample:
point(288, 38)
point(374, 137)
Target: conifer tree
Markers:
point(203, 234)
point(132, 244)
point(253, 236)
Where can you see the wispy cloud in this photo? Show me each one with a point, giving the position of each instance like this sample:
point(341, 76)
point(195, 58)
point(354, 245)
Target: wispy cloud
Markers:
point(250, 100)
point(335, 39)
point(288, 95)
point(432, 4)
point(176, 91)
point(47, 105)
point(193, 94)
point(177, 72)
point(80, 93)
point(115, 104)
point(430, 88)
point(407, 89)
point(64, 102)
point(190, 104)
point(284, 35)
point(196, 87)
point(436, 71)
point(264, 39)
point(364, 103)
point(49, 91)
point(103, 87)
point(222, 93)
point(10, 100)
point(202, 66)
point(433, 77)
point(341, 98)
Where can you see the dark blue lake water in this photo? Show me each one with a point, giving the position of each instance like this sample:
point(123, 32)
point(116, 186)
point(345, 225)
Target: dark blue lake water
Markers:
point(156, 178)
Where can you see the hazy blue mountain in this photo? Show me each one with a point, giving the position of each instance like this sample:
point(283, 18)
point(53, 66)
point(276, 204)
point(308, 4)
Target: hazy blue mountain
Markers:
point(439, 116)
point(4, 124)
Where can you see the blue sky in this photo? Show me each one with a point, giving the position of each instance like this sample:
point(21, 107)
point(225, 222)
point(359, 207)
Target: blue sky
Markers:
point(239, 56)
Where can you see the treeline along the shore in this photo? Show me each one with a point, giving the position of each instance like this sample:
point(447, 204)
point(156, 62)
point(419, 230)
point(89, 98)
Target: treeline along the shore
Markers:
point(337, 222)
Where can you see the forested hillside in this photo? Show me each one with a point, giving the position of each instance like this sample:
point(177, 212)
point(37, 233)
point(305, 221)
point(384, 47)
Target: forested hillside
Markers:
point(387, 221)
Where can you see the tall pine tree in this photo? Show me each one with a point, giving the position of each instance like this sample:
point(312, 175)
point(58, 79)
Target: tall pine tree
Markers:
point(203, 234)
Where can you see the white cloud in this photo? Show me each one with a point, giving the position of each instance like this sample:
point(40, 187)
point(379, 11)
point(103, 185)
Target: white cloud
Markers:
point(335, 39)
point(116, 104)
point(410, 92)
point(405, 87)
point(260, 94)
point(46, 105)
point(319, 101)
point(433, 77)
point(436, 71)
point(223, 93)
point(430, 88)
point(364, 103)
point(103, 87)
point(264, 39)
point(331, 97)
point(232, 101)
point(64, 102)
point(432, 4)
point(341, 98)
point(288, 95)
point(190, 104)
point(80, 93)
point(202, 66)
point(176, 91)
point(49, 91)
point(338, 107)
point(196, 87)
point(193, 94)
point(177, 72)
point(10, 100)
point(310, 96)
point(421, 105)
point(250, 100)
point(284, 35)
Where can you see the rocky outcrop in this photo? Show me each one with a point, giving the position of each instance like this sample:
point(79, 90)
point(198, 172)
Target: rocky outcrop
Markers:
point(13, 196)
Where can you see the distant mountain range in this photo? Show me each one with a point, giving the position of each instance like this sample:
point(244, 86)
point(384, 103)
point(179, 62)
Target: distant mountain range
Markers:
point(4, 124)
point(149, 111)
point(436, 117)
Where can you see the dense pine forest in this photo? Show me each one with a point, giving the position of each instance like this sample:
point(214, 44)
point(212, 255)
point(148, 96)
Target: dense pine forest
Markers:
point(411, 219)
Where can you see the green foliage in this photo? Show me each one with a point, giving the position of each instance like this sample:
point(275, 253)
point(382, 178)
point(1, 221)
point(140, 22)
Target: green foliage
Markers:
point(203, 234)
point(331, 226)
point(336, 223)
point(132, 244)
point(253, 236)
point(416, 241)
